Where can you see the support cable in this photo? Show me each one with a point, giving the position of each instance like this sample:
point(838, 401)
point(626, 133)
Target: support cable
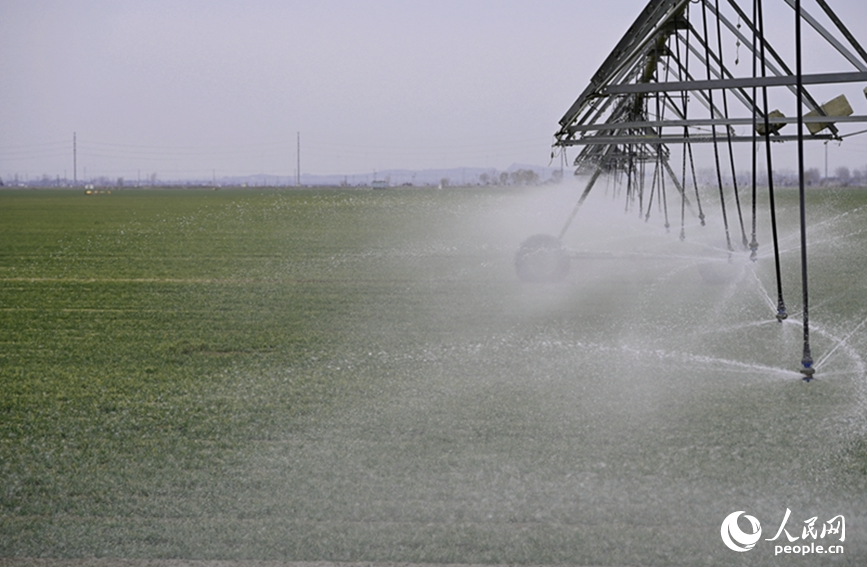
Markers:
point(683, 196)
point(843, 29)
point(683, 71)
point(729, 132)
point(652, 188)
point(655, 186)
point(781, 305)
point(783, 69)
point(660, 115)
point(713, 133)
point(684, 103)
point(662, 189)
point(580, 202)
point(807, 360)
point(754, 244)
point(641, 174)
point(687, 149)
point(630, 189)
point(701, 215)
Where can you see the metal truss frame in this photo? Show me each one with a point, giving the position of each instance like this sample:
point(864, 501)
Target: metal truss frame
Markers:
point(667, 82)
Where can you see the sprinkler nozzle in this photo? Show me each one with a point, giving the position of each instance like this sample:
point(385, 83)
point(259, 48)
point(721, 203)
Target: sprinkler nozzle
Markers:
point(754, 250)
point(781, 312)
point(808, 372)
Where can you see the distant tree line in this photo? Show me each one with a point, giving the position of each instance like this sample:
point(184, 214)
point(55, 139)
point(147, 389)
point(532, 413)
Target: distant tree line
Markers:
point(841, 177)
point(517, 177)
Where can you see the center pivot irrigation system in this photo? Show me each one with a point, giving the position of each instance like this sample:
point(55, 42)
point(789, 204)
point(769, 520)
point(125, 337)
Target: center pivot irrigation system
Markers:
point(706, 72)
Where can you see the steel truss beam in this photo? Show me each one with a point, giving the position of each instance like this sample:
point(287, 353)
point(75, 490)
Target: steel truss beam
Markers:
point(653, 139)
point(649, 83)
point(730, 84)
point(653, 70)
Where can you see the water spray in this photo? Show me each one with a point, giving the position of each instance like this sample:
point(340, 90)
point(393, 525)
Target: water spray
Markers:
point(667, 82)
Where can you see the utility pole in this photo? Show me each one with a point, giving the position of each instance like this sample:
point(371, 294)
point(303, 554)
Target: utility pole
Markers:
point(74, 162)
point(298, 161)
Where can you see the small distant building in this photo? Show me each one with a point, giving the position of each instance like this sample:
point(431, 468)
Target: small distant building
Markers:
point(379, 184)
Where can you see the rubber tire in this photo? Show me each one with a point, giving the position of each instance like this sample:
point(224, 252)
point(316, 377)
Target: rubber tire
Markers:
point(541, 259)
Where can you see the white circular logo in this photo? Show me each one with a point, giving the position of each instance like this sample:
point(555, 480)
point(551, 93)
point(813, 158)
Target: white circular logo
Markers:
point(735, 538)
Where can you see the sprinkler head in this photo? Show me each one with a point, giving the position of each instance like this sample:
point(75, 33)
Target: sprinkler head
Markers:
point(808, 372)
point(754, 250)
point(781, 314)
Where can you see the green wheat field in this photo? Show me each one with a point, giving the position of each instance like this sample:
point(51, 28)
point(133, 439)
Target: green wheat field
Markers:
point(358, 375)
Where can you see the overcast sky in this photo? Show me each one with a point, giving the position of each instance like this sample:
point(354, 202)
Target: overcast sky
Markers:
point(190, 88)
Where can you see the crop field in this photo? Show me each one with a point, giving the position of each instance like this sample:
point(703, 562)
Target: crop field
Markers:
point(359, 376)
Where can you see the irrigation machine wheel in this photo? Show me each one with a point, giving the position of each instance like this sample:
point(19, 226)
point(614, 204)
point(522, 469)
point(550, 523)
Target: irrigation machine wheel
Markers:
point(541, 259)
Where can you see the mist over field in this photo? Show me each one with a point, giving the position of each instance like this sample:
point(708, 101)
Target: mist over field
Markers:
point(285, 283)
point(329, 375)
